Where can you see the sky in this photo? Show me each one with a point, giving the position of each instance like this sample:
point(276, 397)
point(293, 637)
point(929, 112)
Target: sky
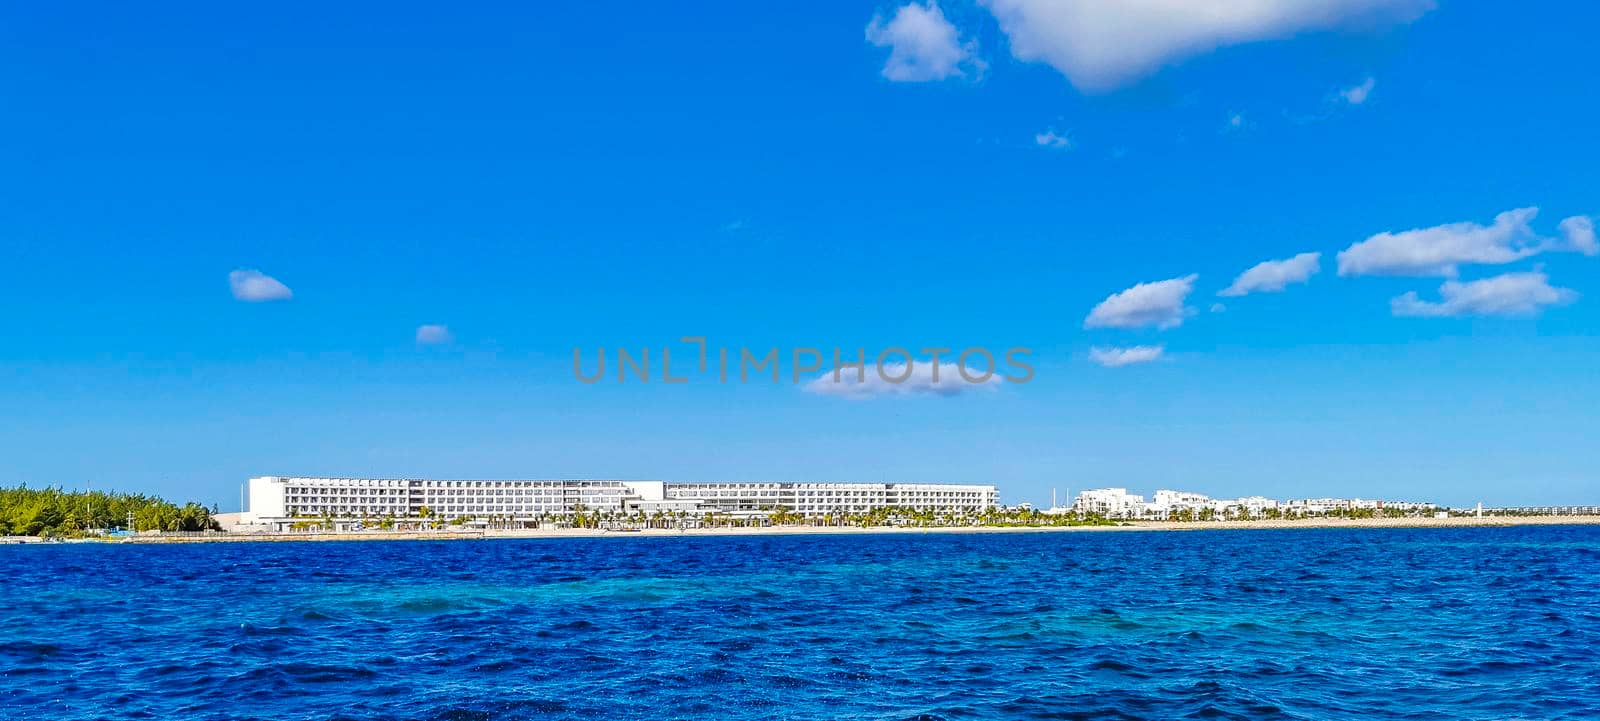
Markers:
point(1298, 249)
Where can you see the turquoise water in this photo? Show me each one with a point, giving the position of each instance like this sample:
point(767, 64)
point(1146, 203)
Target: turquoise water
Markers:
point(1305, 624)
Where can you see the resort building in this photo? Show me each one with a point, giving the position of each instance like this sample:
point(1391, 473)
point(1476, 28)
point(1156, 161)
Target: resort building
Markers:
point(818, 499)
point(1110, 503)
point(1169, 503)
point(1324, 506)
point(279, 502)
point(1185, 505)
point(1176, 500)
point(1254, 506)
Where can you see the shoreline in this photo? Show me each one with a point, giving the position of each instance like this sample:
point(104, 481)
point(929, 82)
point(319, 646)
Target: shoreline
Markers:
point(1131, 526)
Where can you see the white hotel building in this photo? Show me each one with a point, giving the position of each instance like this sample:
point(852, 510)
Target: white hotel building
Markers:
point(1120, 504)
point(280, 501)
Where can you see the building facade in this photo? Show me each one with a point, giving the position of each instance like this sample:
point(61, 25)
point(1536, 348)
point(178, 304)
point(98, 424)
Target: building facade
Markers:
point(1110, 503)
point(820, 499)
point(1324, 506)
point(279, 502)
point(1118, 503)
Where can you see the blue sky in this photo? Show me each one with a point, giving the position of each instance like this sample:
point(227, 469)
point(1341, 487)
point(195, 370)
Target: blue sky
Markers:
point(539, 178)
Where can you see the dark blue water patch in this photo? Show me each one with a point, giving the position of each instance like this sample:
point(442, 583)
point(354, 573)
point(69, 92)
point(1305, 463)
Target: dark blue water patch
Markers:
point(1299, 624)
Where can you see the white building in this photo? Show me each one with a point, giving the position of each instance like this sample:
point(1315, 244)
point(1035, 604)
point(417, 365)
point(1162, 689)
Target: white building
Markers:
point(1120, 504)
point(1323, 506)
point(1181, 499)
point(1409, 506)
point(1110, 503)
point(819, 499)
point(278, 502)
point(1251, 506)
point(1168, 502)
point(1313, 506)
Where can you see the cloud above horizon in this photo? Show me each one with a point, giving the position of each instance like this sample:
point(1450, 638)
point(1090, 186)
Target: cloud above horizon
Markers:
point(923, 45)
point(1159, 303)
point(433, 334)
point(1101, 45)
point(1119, 357)
point(1273, 276)
point(1442, 249)
point(253, 286)
point(1053, 140)
point(921, 382)
point(1358, 94)
point(1510, 294)
point(1577, 232)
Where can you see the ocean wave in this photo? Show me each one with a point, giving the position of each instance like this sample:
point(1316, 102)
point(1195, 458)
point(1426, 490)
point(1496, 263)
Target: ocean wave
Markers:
point(1465, 623)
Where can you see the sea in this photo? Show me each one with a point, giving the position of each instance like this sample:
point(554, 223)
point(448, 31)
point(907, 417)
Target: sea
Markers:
point(1466, 623)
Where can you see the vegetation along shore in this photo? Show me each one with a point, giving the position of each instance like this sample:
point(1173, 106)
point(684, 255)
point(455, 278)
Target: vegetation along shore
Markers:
point(53, 514)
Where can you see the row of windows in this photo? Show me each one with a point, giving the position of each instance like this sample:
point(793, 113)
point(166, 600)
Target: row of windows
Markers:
point(528, 508)
point(890, 488)
point(333, 500)
point(304, 497)
point(340, 509)
point(522, 484)
point(518, 507)
point(824, 510)
point(351, 482)
point(360, 487)
point(830, 494)
point(591, 493)
point(393, 486)
point(347, 510)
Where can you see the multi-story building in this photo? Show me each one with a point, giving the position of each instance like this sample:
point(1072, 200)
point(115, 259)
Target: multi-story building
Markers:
point(1322, 506)
point(818, 499)
point(286, 497)
point(1168, 502)
point(1110, 502)
point(1251, 506)
point(281, 501)
point(1181, 499)
point(1408, 506)
point(1119, 503)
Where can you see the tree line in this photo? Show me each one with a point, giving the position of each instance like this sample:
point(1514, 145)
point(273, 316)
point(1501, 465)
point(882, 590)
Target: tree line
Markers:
point(52, 511)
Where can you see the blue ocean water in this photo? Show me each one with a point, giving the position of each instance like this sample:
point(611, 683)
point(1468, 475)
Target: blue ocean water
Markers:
point(1304, 624)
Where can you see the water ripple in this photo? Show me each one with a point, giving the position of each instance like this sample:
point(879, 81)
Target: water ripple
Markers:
point(1312, 624)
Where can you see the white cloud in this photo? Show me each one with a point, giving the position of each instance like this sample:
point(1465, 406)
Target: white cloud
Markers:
point(1100, 44)
point(1236, 123)
point(920, 383)
point(1440, 250)
point(1578, 232)
point(1511, 294)
point(922, 44)
point(1119, 357)
point(1049, 139)
point(432, 334)
point(1158, 304)
point(1358, 94)
point(253, 286)
point(1274, 275)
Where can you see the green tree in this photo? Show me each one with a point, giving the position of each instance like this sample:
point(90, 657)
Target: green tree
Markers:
point(54, 511)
